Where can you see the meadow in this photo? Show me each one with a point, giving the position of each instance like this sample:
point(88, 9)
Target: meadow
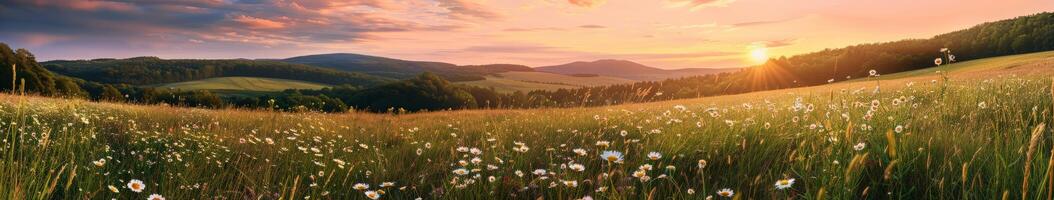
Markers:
point(953, 134)
point(250, 84)
point(508, 82)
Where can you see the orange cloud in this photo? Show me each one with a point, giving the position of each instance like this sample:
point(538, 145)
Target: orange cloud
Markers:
point(587, 3)
point(258, 23)
point(698, 4)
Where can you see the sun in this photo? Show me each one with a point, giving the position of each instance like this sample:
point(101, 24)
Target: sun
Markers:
point(759, 55)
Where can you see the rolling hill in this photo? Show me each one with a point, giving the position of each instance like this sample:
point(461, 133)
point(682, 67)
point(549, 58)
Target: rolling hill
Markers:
point(153, 70)
point(250, 84)
point(401, 69)
point(626, 69)
point(529, 81)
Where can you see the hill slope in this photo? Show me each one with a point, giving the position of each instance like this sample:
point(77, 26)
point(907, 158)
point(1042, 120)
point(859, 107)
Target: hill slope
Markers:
point(626, 69)
point(252, 84)
point(401, 69)
point(530, 81)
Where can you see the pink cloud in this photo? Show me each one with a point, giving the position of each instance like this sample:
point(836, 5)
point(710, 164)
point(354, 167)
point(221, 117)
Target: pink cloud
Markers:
point(42, 39)
point(698, 4)
point(258, 23)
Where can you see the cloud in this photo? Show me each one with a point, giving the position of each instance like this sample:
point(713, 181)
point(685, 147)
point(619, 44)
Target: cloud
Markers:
point(778, 43)
point(258, 23)
point(699, 4)
point(533, 29)
point(120, 24)
point(468, 9)
point(510, 49)
point(759, 23)
point(592, 26)
point(587, 3)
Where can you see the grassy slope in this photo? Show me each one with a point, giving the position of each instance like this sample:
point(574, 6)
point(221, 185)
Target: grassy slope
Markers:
point(528, 81)
point(243, 84)
point(951, 147)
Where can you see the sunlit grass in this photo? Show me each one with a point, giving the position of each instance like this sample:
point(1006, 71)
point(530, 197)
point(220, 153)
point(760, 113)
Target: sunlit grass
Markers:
point(972, 137)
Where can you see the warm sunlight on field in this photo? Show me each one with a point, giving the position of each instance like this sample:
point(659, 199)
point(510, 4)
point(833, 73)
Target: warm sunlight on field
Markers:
point(512, 99)
point(921, 136)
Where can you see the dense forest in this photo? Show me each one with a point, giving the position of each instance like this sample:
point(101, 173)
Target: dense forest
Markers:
point(153, 70)
point(428, 91)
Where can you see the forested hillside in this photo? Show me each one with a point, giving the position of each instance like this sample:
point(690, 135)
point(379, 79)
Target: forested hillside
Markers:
point(402, 69)
point(28, 72)
point(153, 70)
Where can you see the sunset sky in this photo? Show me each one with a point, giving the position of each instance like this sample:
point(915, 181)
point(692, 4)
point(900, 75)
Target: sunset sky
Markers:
point(660, 33)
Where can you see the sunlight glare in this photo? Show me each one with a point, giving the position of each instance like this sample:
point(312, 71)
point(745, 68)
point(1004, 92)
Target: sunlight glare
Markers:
point(759, 55)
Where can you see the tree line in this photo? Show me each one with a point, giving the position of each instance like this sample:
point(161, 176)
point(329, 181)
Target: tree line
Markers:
point(153, 70)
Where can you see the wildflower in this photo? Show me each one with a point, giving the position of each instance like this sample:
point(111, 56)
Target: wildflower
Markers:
point(491, 178)
point(571, 183)
point(899, 128)
point(982, 105)
point(702, 164)
point(645, 167)
point(155, 197)
point(872, 72)
point(372, 194)
point(639, 173)
point(460, 171)
point(725, 192)
point(938, 61)
point(691, 191)
point(539, 172)
point(859, 146)
point(603, 144)
point(361, 186)
point(580, 152)
point(387, 184)
point(113, 189)
point(612, 156)
point(136, 185)
point(100, 162)
point(654, 155)
point(577, 167)
point(784, 183)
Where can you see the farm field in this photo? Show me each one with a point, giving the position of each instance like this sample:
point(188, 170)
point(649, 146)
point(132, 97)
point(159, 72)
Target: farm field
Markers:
point(248, 84)
point(978, 131)
point(508, 82)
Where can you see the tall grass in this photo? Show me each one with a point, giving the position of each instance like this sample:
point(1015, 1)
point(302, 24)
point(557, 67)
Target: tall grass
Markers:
point(982, 138)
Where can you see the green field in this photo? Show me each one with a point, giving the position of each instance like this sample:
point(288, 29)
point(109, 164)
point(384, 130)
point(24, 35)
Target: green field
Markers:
point(978, 134)
point(507, 82)
point(247, 84)
point(1004, 62)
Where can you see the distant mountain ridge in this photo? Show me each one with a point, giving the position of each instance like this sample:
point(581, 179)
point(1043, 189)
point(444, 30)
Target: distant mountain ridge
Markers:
point(626, 69)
